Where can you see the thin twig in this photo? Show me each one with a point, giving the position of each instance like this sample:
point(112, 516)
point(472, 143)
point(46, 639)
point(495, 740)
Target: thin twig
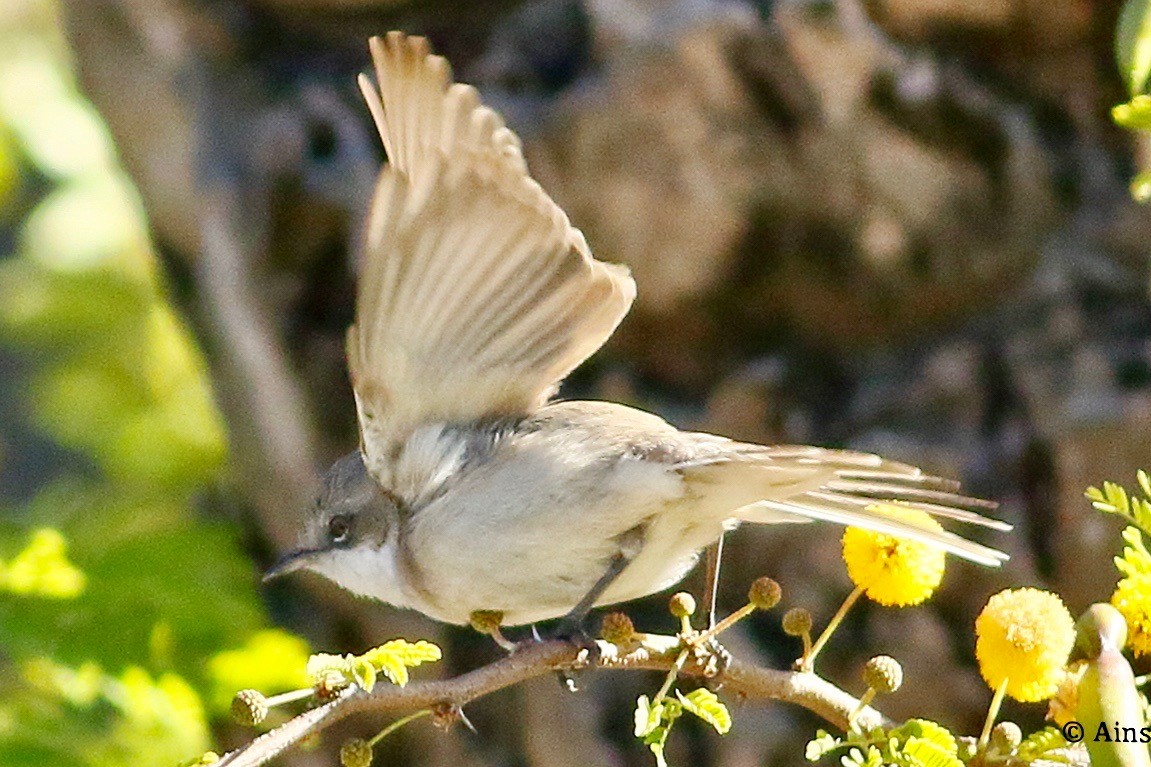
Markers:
point(653, 652)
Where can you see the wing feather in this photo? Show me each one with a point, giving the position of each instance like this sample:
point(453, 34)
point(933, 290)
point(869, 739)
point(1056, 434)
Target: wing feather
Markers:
point(800, 483)
point(477, 296)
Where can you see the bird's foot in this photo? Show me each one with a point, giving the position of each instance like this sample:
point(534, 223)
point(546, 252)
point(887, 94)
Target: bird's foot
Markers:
point(572, 630)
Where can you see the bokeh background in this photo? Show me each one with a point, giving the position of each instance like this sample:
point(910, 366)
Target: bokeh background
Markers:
point(894, 225)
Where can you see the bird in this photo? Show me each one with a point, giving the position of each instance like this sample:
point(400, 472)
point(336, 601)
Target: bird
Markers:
point(473, 488)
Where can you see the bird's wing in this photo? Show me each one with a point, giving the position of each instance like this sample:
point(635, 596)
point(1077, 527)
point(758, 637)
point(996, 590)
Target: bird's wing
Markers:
point(800, 483)
point(477, 296)
point(780, 483)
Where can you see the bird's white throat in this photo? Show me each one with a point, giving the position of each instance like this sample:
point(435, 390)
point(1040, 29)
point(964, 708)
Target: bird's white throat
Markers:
point(368, 571)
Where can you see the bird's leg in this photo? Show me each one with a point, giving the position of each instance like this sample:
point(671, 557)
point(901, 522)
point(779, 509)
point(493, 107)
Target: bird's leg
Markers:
point(571, 626)
point(713, 558)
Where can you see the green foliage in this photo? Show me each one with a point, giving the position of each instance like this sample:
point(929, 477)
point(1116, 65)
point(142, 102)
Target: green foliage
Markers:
point(704, 704)
point(855, 757)
point(919, 743)
point(392, 659)
point(821, 745)
point(42, 569)
point(59, 715)
point(1135, 114)
point(1041, 744)
point(916, 743)
point(1135, 558)
point(1114, 499)
point(653, 723)
point(1133, 57)
point(162, 588)
point(1133, 45)
point(926, 743)
point(105, 645)
point(271, 661)
point(655, 718)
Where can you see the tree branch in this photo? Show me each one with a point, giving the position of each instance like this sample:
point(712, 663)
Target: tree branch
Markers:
point(649, 652)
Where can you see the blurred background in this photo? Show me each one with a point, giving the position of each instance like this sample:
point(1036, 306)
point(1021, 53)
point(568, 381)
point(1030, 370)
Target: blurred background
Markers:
point(893, 225)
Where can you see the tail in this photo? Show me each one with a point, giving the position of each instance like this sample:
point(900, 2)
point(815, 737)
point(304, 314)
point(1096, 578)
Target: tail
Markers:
point(801, 484)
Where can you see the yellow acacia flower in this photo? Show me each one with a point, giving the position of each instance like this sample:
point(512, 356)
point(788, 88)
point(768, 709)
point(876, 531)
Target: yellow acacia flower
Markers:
point(1132, 598)
point(1024, 636)
point(892, 571)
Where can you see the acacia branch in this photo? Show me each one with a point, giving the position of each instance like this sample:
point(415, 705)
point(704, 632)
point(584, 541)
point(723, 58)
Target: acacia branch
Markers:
point(649, 652)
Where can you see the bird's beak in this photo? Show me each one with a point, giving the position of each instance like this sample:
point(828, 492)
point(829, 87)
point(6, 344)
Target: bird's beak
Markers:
point(292, 561)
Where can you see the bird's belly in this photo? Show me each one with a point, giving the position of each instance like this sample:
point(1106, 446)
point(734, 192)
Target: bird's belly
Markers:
point(672, 544)
point(535, 552)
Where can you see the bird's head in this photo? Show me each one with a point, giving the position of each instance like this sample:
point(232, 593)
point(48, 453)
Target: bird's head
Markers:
point(351, 532)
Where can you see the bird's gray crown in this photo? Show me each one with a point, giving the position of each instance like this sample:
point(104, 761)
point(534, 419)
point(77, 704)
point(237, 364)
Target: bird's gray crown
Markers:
point(347, 479)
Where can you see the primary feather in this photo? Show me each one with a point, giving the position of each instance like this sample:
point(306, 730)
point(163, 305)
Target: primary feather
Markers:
point(477, 296)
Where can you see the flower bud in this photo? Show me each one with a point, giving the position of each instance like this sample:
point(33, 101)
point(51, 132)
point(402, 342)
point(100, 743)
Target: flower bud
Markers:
point(883, 674)
point(682, 605)
point(764, 593)
point(486, 621)
point(356, 753)
point(617, 628)
point(1006, 737)
point(249, 707)
point(797, 622)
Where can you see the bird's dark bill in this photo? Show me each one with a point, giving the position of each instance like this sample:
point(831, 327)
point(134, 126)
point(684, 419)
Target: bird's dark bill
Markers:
point(290, 562)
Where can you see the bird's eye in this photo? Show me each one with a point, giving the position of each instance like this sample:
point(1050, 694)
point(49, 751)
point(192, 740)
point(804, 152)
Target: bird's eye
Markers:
point(338, 528)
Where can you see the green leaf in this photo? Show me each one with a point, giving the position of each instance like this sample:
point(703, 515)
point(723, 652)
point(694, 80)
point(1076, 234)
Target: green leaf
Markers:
point(919, 752)
point(411, 654)
point(1114, 499)
point(653, 724)
point(647, 717)
point(1133, 44)
point(929, 731)
point(364, 673)
point(271, 661)
point(656, 740)
point(322, 663)
point(1039, 743)
point(856, 758)
point(1141, 186)
point(704, 704)
point(42, 568)
point(1134, 115)
point(394, 658)
point(1135, 560)
point(415, 653)
point(820, 746)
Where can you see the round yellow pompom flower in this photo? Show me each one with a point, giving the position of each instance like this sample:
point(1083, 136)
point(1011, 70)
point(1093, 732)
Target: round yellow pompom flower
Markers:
point(1132, 598)
point(892, 571)
point(1024, 636)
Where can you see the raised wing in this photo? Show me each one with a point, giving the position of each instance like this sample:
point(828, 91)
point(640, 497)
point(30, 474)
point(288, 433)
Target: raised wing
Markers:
point(477, 296)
